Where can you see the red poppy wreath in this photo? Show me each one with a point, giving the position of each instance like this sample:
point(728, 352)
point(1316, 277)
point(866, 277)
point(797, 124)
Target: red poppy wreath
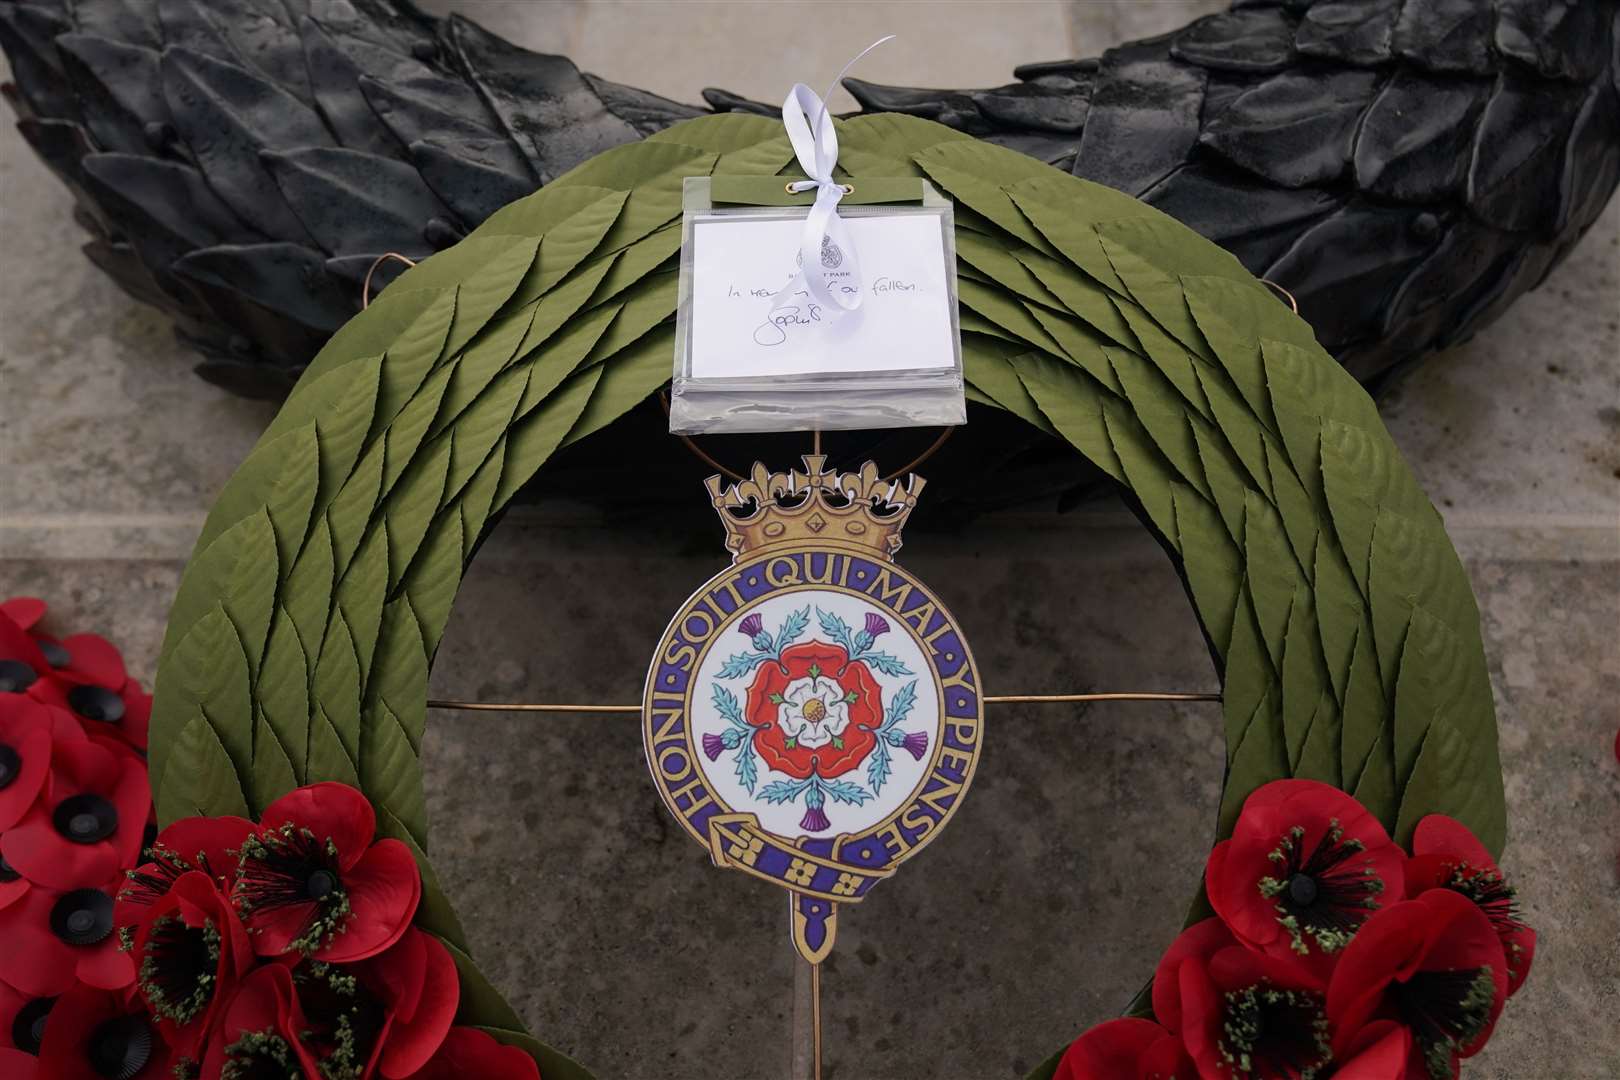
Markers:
point(217, 947)
point(1333, 952)
point(1349, 922)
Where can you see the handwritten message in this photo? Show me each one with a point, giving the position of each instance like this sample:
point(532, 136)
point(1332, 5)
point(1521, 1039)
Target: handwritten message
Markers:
point(740, 263)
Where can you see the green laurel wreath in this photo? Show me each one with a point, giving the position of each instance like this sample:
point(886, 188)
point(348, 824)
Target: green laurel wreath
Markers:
point(1341, 621)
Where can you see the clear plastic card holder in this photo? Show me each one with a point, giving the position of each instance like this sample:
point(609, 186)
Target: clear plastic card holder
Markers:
point(872, 384)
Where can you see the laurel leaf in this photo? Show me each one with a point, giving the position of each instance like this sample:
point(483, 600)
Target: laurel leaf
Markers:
point(203, 780)
point(282, 691)
point(272, 773)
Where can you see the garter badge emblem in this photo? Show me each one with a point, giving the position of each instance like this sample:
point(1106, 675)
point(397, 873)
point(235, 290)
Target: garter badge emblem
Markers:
point(813, 716)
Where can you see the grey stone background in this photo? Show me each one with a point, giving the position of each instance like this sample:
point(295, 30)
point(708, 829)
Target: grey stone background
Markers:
point(609, 930)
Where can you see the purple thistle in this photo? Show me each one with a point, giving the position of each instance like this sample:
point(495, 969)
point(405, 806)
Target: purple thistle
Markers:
point(814, 820)
point(712, 745)
point(916, 744)
point(876, 625)
point(751, 626)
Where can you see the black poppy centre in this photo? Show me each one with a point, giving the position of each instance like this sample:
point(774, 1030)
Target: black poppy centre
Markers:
point(1446, 1011)
point(55, 654)
point(28, 1026)
point(346, 1018)
point(1325, 893)
point(96, 703)
point(82, 917)
point(10, 765)
point(291, 867)
point(261, 1055)
point(120, 1048)
point(1270, 1031)
point(85, 818)
point(16, 676)
point(179, 966)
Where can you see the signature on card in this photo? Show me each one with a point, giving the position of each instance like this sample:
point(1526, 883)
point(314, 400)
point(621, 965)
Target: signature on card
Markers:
point(774, 330)
point(779, 323)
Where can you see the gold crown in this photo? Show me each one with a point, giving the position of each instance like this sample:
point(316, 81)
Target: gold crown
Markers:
point(770, 509)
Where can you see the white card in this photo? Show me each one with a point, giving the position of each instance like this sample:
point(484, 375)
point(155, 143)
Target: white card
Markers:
point(740, 261)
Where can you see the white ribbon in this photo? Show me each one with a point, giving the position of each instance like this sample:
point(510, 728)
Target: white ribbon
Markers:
point(815, 144)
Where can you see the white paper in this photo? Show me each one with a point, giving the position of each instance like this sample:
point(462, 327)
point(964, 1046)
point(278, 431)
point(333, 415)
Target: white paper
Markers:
point(739, 262)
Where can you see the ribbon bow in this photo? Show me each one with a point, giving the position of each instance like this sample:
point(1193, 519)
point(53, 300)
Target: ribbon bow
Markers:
point(825, 237)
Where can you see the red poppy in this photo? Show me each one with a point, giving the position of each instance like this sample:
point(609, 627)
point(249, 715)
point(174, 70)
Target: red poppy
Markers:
point(1195, 945)
point(89, 825)
point(1304, 868)
point(1380, 1051)
point(25, 611)
point(22, 663)
point(1246, 1014)
point(258, 1035)
point(842, 710)
point(118, 710)
point(86, 659)
point(81, 658)
point(385, 1015)
point(18, 1065)
point(1126, 1049)
point(25, 755)
point(13, 885)
point(82, 673)
point(94, 1034)
point(205, 844)
point(1435, 964)
point(191, 951)
point(22, 1023)
point(468, 1052)
point(311, 880)
point(418, 980)
point(52, 938)
point(1445, 855)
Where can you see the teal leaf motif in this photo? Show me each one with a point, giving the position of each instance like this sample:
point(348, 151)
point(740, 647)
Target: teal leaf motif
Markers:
point(743, 663)
point(747, 772)
point(900, 705)
point(791, 628)
point(886, 663)
point(878, 769)
point(844, 791)
point(725, 703)
point(784, 791)
point(837, 629)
